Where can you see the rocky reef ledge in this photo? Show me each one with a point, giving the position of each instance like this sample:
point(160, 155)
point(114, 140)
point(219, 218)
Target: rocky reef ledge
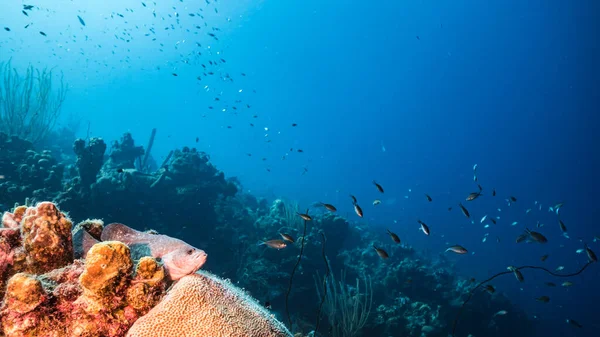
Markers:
point(57, 279)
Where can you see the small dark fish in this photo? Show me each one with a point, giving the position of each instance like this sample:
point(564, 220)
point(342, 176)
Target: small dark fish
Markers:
point(428, 197)
point(418, 38)
point(544, 257)
point(464, 210)
point(329, 207)
point(43, 34)
point(394, 236)
point(7, 29)
point(591, 255)
point(457, 249)
point(574, 323)
point(277, 244)
point(379, 188)
point(197, 139)
point(424, 228)
point(267, 303)
point(358, 210)
point(382, 253)
point(300, 150)
point(294, 124)
point(473, 196)
point(120, 170)
point(521, 238)
point(563, 228)
point(543, 299)
point(27, 7)
point(81, 20)
point(494, 192)
point(490, 289)
point(493, 220)
point(550, 284)
point(305, 216)
point(449, 209)
point(517, 273)
point(353, 199)
point(25, 13)
point(513, 199)
point(174, 74)
point(536, 236)
point(287, 237)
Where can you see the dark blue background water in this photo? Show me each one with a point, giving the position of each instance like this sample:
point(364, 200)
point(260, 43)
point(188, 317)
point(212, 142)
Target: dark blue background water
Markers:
point(410, 93)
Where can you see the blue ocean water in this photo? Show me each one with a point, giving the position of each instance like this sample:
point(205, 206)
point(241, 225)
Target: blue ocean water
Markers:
point(411, 94)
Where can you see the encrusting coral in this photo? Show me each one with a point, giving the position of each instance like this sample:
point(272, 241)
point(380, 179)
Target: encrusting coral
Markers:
point(46, 235)
point(46, 292)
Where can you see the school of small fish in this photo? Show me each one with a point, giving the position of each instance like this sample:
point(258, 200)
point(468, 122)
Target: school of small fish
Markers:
point(527, 235)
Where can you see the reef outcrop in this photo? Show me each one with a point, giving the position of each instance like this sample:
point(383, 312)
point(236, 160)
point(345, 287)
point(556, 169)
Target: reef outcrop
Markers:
point(48, 292)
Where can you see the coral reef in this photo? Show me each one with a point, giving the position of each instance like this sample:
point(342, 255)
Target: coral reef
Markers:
point(35, 240)
point(49, 293)
point(187, 197)
point(27, 173)
point(89, 159)
point(123, 154)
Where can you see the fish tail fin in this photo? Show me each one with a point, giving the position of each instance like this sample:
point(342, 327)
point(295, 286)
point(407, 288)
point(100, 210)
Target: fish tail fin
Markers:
point(260, 243)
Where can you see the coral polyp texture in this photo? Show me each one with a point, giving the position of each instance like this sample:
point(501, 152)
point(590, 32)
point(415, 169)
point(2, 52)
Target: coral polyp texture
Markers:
point(205, 305)
point(47, 292)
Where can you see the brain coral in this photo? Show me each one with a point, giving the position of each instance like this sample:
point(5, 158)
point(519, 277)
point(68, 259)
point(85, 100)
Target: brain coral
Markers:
point(203, 305)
